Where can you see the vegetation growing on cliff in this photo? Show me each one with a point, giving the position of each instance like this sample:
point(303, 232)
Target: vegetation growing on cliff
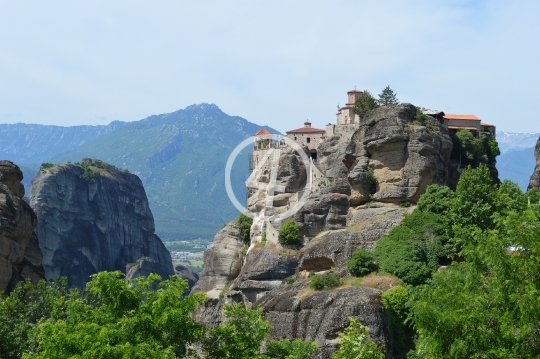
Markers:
point(366, 102)
point(289, 232)
point(118, 319)
point(244, 224)
point(484, 297)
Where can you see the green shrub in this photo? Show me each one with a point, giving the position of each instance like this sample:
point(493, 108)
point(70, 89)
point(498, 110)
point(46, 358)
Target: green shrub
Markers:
point(325, 281)
point(361, 263)
point(286, 349)
point(365, 103)
point(437, 199)
point(88, 173)
point(244, 223)
point(412, 250)
point(263, 237)
point(46, 165)
point(371, 177)
point(420, 119)
point(395, 304)
point(289, 233)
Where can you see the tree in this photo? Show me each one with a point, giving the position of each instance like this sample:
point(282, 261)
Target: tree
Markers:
point(117, 319)
point(355, 343)
point(289, 232)
point(25, 307)
point(287, 349)
point(437, 199)
point(239, 337)
point(242, 334)
point(395, 304)
point(387, 97)
point(412, 250)
point(244, 223)
point(361, 263)
point(364, 103)
point(486, 306)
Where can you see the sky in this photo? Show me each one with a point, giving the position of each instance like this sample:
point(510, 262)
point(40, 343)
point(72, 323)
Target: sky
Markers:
point(274, 63)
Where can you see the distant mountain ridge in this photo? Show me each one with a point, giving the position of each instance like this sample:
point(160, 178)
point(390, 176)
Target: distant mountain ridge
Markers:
point(179, 156)
point(512, 141)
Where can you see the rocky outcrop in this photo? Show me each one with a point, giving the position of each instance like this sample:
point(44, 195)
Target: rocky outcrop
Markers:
point(364, 173)
point(264, 270)
point(222, 262)
point(187, 274)
point(93, 217)
point(393, 159)
point(332, 249)
point(535, 178)
point(20, 256)
point(295, 312)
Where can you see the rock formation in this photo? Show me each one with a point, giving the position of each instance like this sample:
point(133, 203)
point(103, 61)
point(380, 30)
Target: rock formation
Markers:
point(364, 173)
point(392, 159)
point(296, 312)
point(93, 217)
point(535, 178)
point(20, 256)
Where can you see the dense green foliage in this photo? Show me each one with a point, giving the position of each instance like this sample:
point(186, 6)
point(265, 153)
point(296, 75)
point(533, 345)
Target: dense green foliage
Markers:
point(395, 303)
point(244, 224)
point(116, 319)
point(287, 349)
point(23, 309)
point(239, 337)
point(364, 103)
point(142, 318)
point(486, 306)
point(437, 199)
point(242, 334)
point(355, 343)
point(470, 150)
point(411, 251)
point(289, 232)
point(387, 97)
point(46, 165)
point(361, 263)
point(324, 281)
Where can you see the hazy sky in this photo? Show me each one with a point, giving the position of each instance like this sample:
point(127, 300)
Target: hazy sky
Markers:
point(272, 62)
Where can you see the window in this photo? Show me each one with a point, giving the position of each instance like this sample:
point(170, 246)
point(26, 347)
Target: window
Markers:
point(308, 140)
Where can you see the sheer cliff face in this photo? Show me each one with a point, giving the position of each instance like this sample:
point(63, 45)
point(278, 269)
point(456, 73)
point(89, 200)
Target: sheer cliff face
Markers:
point(535, 178)
point(93, 217)
point(20, 256)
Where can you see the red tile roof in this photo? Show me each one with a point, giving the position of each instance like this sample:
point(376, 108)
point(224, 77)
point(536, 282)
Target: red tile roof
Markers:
point(461, 117)
point(263, 132)
point(307, 130)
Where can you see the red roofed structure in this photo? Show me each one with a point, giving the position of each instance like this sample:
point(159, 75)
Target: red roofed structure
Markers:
point(263, 132)
point(307, 136)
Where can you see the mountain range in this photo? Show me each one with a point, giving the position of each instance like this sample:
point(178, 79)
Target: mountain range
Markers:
point(180, 158)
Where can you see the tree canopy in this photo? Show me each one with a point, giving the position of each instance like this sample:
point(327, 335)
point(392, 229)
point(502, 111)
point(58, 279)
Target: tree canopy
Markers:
point(364, 103)
point(387, 97)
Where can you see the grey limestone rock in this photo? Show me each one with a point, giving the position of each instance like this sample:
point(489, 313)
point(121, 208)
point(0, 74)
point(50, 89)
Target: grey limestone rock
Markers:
point(94, 217)
point(264, 270)
point(187, 274)
point(20, 255)
point(297, 313)
point(333, 248)
point(222, 262)
point(403, 156)
point(535, 177)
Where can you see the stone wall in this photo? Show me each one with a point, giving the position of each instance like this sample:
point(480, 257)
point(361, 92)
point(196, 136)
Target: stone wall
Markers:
point(315, 139)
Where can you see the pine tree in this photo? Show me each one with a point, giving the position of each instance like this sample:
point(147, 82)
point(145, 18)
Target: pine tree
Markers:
point(387, 97)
